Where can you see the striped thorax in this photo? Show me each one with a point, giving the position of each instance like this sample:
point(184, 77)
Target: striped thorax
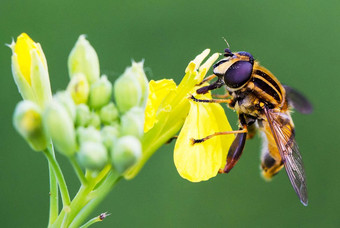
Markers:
point(250, 85)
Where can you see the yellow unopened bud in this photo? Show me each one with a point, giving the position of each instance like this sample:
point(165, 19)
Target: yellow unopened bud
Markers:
point(83, 59)
point(125, 153)
point(27, 121)
point(29, 68)
point(92, 155)
point(59, 126)
point(79, 88)
point(100, 93)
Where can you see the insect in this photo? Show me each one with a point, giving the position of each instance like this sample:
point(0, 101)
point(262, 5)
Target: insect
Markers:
point(262, 103)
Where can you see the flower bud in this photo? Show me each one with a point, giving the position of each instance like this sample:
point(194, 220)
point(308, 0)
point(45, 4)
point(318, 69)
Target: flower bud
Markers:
point(94, 120)
point(83, 59)
point(132, 122)
point(65, 99)
point(137, 72)
point(29, 68)
point(100, 93)
point(109, 134)
point(125, 153)
point(127, 91)
point(79, 89)
point(89, 134)
point(27, 121)
point(59, 126)
point(92, 155)
point(108, 113)
point(83, 115)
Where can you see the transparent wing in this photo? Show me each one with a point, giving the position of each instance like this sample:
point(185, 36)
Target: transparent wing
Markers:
point(298, 101)
point(282, 128)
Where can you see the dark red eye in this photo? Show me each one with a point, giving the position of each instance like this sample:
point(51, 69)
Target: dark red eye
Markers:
point(238, 74)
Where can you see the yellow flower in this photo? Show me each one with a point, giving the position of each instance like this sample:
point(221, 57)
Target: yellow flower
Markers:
point(166, 111)
point(158, 91)
point(202, 161)
point(30, 71)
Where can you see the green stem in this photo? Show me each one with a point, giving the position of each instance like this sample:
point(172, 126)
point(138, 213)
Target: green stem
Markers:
point(53, 191)
point(77, 203)
point(60, 177)
point(82, 192)
point(78, 170)
point(97, 196)
point(102, 174)
point(83, 197)
point(151, 142)
point(92, 221)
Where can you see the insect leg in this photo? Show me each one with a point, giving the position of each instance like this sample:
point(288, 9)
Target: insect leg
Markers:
point(221, 96)
point(236, 148)
point(219, 83)
point(211, 100)
point(251, 131)
point(194, 141)
point(171, 139)
point(207, 79)
point(235, 151)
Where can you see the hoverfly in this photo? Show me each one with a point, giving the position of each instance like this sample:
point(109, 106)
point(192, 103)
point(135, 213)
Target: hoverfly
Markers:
point(262, 103)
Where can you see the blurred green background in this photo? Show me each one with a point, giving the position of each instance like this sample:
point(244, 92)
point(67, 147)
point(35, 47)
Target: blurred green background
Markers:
point(297, 40)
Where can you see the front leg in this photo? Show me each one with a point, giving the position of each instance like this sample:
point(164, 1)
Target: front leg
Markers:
point(219, 83)
point(235, 151)
point(228, 101)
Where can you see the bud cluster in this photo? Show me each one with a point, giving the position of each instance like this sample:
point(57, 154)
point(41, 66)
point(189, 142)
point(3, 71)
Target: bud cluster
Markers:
point(84, 120)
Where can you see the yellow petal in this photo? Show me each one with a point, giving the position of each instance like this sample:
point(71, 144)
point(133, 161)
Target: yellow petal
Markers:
point(22, 49)
point(202, 161)
point(158, 90)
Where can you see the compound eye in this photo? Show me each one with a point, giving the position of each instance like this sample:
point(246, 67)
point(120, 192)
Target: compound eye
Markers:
point(238, 74)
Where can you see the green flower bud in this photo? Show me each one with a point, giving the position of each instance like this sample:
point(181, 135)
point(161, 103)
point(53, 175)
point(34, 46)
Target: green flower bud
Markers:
point(83, 115)
point(79, 88)
point(92, 155)
point(108, 113)
point(27, 121)
point(137, 70)
point(100, 93)
point(65, 99)
point(109, 134)
point(125, 153)
point(59, 126)
point(94, 120)
point(127, 91)
point(83, 59)
point(132, 122)
point(89, 134)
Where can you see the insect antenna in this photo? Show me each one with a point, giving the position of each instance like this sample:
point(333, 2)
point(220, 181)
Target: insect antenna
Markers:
point(225, 40)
